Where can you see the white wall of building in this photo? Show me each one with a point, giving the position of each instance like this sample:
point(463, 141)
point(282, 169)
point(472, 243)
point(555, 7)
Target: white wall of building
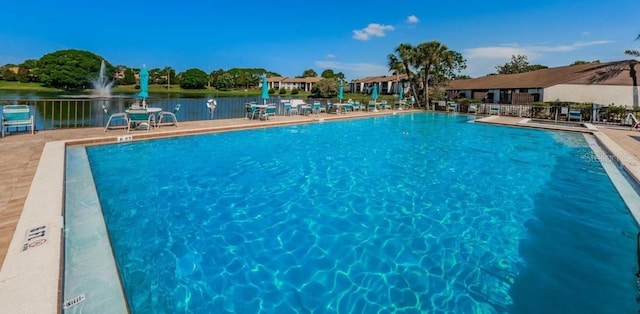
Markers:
point(599, 94)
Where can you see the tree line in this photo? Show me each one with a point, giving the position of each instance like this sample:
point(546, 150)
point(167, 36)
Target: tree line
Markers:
point(73, 69)
point(428, 66)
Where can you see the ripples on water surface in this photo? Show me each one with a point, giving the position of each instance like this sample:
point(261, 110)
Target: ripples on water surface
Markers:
point(405, 213)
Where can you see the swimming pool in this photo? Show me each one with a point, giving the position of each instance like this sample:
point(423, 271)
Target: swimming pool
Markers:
point(415, 212)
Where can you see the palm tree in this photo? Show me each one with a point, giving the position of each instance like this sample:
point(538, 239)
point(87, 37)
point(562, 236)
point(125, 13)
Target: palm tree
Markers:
point(432, 62)
point(402, 61)
point(635, 53)
point(634, 75)
point(432, 56)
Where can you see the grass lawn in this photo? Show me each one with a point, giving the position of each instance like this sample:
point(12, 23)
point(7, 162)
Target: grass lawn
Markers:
point(33, 87)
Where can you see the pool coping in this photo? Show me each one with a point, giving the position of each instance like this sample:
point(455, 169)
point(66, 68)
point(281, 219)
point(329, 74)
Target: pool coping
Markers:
point(30, 279)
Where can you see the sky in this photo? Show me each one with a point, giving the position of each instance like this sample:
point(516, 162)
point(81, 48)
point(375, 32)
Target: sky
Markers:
point(289, 37)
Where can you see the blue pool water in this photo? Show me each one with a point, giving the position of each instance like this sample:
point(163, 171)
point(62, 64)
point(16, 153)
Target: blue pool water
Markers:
point(397, 214)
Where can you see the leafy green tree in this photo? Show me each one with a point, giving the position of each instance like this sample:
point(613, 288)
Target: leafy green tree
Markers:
point(518, 64)
point(156, 76)
point(26, 71)
point(129, 77)
point(70, 69)
point(170, 75)
point(309, 73)
point(247, 78)
point(328, 73)
point(213, 76)
point(224, 81)
point(6, 72)
point(194, 79)
point(325, 88)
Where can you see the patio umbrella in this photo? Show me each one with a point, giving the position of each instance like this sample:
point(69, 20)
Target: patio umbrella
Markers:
point(374, 95)
point(400, 96)
point(340, 92)
point(265, 88)
point(144, 85)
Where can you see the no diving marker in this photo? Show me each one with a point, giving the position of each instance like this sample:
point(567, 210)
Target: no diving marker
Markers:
point(35, 237)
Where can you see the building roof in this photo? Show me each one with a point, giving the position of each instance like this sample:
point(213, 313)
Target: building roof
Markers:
point(275, 79)
point(378, 79)
point(294, 79)
point(611, 73)
point(302, 79)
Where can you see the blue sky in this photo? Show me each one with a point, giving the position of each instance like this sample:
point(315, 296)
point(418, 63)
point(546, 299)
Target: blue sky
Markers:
point(288, 37)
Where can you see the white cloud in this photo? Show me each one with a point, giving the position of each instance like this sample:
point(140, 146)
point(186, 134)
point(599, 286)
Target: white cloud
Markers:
point(354, 70)
point(592, 43)
point(495, 52)
point(331, 56)
point(412, 19)
point(586, 33)
point(373, 29)
point(482, 60)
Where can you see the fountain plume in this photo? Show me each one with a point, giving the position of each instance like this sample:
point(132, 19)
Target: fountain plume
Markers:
point(102, 84)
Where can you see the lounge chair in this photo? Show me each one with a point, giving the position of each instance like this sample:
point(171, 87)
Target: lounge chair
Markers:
point(575, 115)
point(384, 105)
point(473, 108)
point(452, 106)
point(299, 105)
point(252, 110)
point(371, 106)
point(169, 114)
point(329, 107)
point(317, 108)
point(287, 108)
point(16, 116)
point(635, 124)
point(113, 117)
point(140, 117)
point(494, 109)
point(356, 105)
point(347, 107)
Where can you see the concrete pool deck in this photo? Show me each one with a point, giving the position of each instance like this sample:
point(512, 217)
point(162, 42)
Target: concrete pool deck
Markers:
point(21, 162)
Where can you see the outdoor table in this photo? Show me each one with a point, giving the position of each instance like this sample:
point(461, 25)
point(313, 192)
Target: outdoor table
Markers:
point(261, 108)
point(151, 111)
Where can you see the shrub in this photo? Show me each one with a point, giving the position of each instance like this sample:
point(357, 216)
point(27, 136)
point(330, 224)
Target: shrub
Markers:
point(282, 91)
point(295, 91)
point(272, 91)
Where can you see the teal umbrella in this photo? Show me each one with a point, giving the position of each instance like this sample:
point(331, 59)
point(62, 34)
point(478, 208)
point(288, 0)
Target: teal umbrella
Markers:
point(265, 88)
point(144, 84)
point(340, 91)
point(400, 92)
point(374, 93)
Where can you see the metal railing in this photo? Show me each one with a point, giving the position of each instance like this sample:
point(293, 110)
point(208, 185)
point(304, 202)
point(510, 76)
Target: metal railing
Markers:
point(589, 114)
point(84, 112)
